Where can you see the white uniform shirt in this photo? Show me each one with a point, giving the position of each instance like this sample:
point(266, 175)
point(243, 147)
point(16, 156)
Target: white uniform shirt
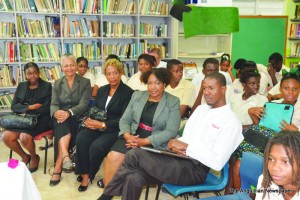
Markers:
point(212, 135)
point(263, 85)
point(278, 75)
point(162, 64)
point(90, 76)
point(271, 195)
point(240, 107)
point(135, 83)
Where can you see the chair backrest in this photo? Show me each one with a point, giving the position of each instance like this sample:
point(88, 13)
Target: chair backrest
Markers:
point(250, 169)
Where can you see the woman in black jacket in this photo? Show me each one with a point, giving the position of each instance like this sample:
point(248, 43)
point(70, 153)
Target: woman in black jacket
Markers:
point(32, 97)
point(94, 141)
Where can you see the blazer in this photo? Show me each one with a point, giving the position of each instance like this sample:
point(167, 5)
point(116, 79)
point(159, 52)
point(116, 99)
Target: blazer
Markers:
point(76, 99)
point(116, 105)
point(166, 118)
point(43, 97)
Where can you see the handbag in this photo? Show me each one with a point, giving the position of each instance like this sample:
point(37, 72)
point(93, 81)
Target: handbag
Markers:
point(255, 140)
point(18, 121)
point(98, 114)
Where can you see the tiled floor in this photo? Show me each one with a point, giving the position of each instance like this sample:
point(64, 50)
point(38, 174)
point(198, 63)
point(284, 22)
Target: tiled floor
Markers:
point(67, 189)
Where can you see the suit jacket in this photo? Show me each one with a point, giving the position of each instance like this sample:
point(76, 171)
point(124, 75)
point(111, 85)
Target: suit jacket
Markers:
point(166, 118)
point(116, 105)
point(43, 97)
point(76, 99)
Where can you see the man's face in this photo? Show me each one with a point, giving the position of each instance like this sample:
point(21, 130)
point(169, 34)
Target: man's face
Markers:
point(214, 92)
point(276, 65)
point(210, 68)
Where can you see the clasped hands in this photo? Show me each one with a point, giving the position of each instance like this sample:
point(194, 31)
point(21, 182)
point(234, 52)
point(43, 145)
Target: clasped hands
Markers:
point(134, 141)
point(93, 124)
point(61, 115)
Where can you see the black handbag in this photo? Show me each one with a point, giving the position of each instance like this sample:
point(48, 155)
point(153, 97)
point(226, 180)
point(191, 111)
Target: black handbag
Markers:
point(18, 121)
point(98, 114)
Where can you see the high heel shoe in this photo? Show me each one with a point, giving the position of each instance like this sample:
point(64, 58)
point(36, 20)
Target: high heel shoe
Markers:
point(79, 178)
point(37, 166)
point(55, 182)
point(82, 188)
point(67, 165)
point(100, 183)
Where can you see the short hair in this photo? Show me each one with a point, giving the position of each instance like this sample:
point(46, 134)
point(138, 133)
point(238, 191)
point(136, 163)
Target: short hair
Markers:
point(148, 58)
point(218, 76)
point(249, 65)
point(246, 74)
point(239, 63)
point(173, 62)
point(290, 76)
point(156, 51)
point(31, 64)
point(160, 73)
point(111, 56)
point(210, 61)
point(70, 56)
point(113, 62)
point(79, 59)
point(290, 140)
point(277, 57)
point(225, 57)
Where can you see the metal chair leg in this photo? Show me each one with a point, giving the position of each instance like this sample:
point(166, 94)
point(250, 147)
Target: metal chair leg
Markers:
point(147, 192)
point(186, 196)
point(46, 153)
point(10, 154)
point(157, 192)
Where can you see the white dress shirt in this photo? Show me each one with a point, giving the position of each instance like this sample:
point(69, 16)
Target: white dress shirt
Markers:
point(135, 82)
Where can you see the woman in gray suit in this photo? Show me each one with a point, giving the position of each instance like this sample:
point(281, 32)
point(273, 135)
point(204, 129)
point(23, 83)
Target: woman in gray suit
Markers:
point(152, 118)
point(70, 98)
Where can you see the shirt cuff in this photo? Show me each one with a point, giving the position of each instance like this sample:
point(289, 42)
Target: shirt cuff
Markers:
point(71, 112)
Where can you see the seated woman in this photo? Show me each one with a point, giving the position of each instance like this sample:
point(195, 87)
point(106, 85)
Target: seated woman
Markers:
point(94, 141)
point(179, 87)
point(281, 168)
point(83, 70)
point(32, 97)
point(70, 98)
point(225, 66)
point(152, 118)
point(145, 63)
point(102, 80)
point(240, 103)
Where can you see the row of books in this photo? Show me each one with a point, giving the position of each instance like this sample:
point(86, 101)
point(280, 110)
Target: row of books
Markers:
point(119, 6)
point(153, 7)
point(6, 99)
point(295, 49)
point(294, 30)
point(83, 27)
point(90, 51)
point(112, 29)
point(81, 6)
point(145, 47)
point(152, 30)
point(9, 76)
point(9, 53)
point(297, 11)
point(7, 29)
point(39, 52)
point(5, 5)
point(41, 6)
point(51, 74)
point(48, 27)
point(123, 51)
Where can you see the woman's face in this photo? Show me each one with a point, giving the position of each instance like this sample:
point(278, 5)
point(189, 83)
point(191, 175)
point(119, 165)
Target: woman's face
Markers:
point(82, 67)
point(252, 86)
point(176, 73)
point(280, 168)
point(144, 65)
point(69, 67)
point(290, 89)
point(225, 65)
point(155, 87)
point(113, 75)
point(32, 75)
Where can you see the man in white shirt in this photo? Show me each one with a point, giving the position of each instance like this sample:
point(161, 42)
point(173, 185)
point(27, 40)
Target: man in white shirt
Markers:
point(156, 53)
point(211, 134)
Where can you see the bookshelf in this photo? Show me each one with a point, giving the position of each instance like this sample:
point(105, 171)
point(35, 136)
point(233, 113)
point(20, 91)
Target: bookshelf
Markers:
point(196, 49)
point(43, 30)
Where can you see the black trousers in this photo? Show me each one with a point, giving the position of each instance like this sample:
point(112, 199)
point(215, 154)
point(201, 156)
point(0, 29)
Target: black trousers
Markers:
point(91, 148)
point(143, 168)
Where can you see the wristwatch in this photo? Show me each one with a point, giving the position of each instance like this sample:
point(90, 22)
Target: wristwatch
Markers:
point(103, 125)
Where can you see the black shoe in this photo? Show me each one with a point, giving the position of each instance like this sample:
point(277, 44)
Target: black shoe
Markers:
point(41, 148)
point(82, 188)
point(79, 179)
point(55, 182)
point(37, 167)
point(105, 197)
point(100, 183)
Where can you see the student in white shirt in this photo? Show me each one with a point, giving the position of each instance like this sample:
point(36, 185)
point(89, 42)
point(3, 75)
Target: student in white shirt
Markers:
point(145, 63)
point(275, 68)
point(281, 178)
point(225, 66)
point(82, 70)
point(211, 134)
point(156, 53)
